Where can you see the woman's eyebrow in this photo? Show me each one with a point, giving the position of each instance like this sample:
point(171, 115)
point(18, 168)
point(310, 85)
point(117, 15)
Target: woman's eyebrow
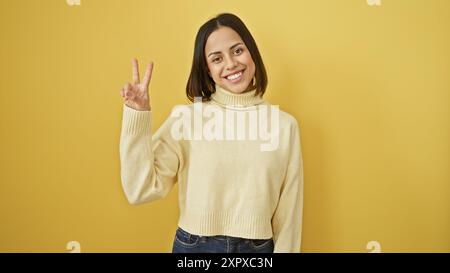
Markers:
point(216, 52)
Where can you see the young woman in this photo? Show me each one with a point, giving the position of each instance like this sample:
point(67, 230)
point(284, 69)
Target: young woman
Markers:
point(235, 195)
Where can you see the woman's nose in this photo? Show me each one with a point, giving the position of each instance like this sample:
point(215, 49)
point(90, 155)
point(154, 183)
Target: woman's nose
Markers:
point(231, 63)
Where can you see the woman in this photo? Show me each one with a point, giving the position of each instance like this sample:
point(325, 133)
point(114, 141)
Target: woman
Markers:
point(236, 193)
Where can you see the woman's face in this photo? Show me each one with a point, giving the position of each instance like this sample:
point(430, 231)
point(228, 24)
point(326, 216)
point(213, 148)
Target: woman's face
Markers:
point(230, 64)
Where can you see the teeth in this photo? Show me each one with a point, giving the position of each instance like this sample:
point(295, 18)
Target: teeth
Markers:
point(235, 76)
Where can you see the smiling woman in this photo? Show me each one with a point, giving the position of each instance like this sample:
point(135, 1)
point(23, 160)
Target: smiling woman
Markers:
point(227, 55)
point(232, 68)
point(235, 195)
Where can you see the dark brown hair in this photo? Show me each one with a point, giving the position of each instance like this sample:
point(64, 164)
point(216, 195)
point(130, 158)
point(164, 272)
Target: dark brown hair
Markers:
point(200, 84)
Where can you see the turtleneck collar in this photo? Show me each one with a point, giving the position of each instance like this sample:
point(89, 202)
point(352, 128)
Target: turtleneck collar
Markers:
point(227, 98)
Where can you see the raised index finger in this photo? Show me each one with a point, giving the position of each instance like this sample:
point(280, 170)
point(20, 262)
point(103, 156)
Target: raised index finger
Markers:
point(135, 71)
point(148, 74)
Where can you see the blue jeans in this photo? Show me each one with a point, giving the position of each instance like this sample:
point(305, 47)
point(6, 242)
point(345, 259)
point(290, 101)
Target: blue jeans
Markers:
point(185, 242)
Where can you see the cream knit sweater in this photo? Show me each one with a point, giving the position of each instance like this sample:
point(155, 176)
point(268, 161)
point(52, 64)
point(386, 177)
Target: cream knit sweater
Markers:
point(227, 185)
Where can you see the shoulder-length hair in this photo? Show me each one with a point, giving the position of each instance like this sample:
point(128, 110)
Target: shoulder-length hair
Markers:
point(200, 84)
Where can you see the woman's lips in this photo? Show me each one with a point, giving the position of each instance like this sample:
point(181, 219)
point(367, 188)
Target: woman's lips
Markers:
point(236, 77)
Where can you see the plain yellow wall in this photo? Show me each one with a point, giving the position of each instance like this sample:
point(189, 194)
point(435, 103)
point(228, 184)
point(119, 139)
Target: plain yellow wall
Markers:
point(369, 86)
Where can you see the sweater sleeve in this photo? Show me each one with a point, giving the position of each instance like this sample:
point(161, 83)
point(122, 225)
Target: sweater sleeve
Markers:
point(287, 218)
point(149, 163)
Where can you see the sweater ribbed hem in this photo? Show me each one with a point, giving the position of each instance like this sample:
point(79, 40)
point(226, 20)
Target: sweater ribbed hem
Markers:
point(226, 223)
point(136, 122)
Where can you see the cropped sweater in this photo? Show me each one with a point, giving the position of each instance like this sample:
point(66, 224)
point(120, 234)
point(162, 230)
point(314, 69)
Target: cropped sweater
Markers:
point(237, 161)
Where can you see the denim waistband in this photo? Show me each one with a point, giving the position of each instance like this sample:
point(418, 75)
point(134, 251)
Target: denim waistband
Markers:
point(218, 237)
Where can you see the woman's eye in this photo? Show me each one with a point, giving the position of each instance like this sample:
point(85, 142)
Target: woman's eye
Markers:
point(216, 60)
point(239, 50)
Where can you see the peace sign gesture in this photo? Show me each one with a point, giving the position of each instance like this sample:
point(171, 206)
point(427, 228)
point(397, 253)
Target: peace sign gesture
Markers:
point(136, 94)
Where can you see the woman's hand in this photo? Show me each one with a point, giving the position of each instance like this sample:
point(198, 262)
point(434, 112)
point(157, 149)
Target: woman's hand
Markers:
point(136, 94)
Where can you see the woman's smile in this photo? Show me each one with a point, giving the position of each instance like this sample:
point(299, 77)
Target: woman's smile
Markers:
point(236, 77)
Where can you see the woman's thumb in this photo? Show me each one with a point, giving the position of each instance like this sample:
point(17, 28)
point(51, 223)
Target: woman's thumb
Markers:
point(129, 94)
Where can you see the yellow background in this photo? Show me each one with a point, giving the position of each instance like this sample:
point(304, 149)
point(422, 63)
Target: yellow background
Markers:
point(368, 84)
